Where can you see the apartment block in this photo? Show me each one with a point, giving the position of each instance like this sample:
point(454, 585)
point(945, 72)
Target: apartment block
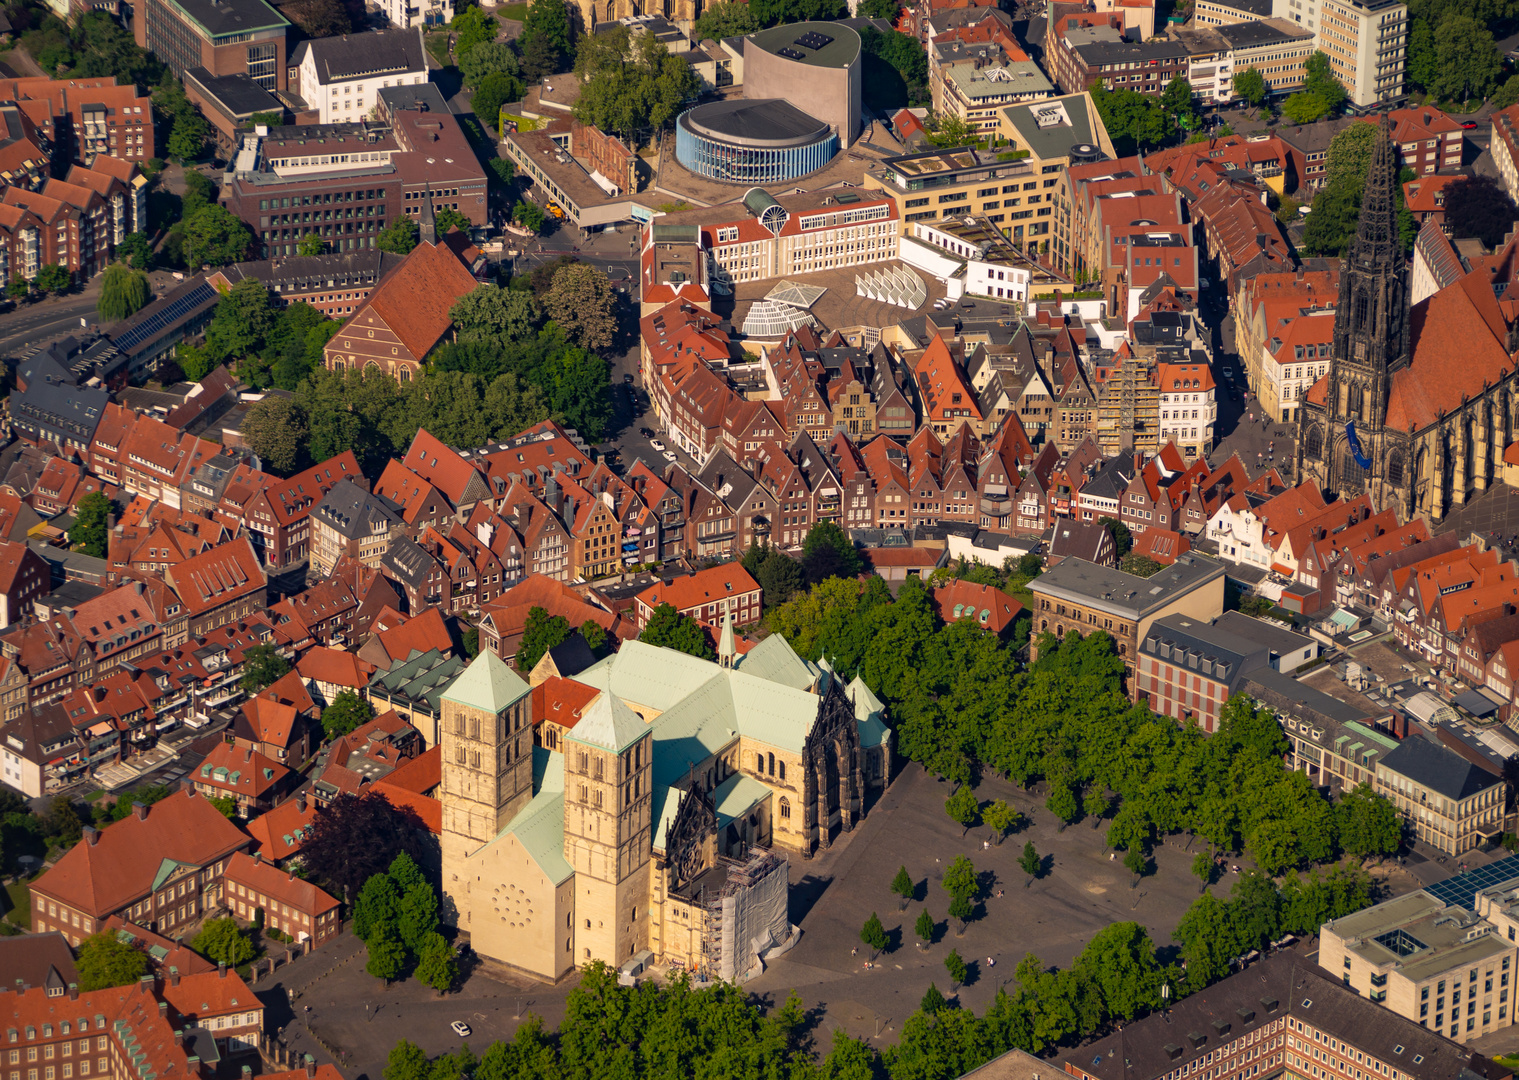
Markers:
point(1366, 42)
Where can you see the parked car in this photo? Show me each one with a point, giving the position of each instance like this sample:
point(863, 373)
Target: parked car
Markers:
point(1468, 125)
point(460, 1028)
point(647, 433)
point(656, 444)
point(668, 455)
point(628, 378)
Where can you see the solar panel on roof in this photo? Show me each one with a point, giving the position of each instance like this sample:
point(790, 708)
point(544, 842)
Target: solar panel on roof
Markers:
point(144, 330)
point(1462, 889)
point(791, 54)
point(813, 40)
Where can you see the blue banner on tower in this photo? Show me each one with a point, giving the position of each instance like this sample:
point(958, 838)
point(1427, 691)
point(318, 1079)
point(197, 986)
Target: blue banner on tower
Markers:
point(1355, 446)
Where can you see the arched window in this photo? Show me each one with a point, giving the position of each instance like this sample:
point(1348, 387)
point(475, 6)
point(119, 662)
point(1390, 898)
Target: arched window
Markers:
point(1362, 311)
point(786, 809)
point(1355, 398)
point(1315, 446)
point(772, 764)
point(1352, 476)
point(1395, 469)
point(783, 770)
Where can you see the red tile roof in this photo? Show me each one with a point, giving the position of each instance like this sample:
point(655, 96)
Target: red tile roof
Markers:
point(336, 666)
point(283, 830)
point(248, 774)
point(120, 866)
point(422, 774)
point(415, 299)
point(210, 993)
point(217, 577)
point(703, 587)
point(281, 885)
point(991, 607)
point(561, 700)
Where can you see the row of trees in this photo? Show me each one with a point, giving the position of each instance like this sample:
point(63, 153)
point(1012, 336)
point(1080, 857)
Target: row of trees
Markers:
point(614, 1030)
point(377, 417)
point(959, 699)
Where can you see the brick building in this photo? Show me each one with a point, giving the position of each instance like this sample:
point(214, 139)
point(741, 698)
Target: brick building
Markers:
point(292, 906)
point(225, 37)
point(122, 870)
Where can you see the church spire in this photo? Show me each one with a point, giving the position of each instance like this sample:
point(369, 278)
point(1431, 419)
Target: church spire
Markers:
point(726, 647)
point(1377, 245)
point(427, 228)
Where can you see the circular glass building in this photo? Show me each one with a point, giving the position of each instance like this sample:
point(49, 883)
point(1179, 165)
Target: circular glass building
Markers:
point(752, 142)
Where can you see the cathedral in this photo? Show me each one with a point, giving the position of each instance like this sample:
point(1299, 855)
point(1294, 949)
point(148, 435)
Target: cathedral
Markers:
point(652, 824)
point(1419, 400)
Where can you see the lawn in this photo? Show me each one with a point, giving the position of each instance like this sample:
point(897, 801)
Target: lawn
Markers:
point(512, 11)
point(95, 796)
point(437, 44)
point(19, 901)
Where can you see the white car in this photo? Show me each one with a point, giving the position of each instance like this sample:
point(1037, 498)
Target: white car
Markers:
point(668, 455)
point(460, 1029)
point(656, 444)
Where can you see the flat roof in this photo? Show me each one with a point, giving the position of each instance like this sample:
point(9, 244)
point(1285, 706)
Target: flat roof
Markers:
point(840, 51)
point(1050, 128)
point(1248, 35)
point(767, 122)
point(1419, 934)
point(1110, 589)
point(222, 17)
point(237, 95)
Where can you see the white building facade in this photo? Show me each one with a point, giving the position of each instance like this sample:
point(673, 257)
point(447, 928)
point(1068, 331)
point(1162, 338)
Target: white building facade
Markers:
point(341, 77)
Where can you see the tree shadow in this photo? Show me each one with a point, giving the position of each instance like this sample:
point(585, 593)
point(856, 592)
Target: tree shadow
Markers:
point(893, 940)
point(806, 893)
point(972, 973)
point(448, 80)
point(986, 882)
point(920, 891)
point(1046, 864)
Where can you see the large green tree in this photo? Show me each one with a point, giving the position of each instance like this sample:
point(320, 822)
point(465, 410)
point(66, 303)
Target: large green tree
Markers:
point(276, 430)
point(123, 292)
point(669, 629)
point(1479, 206)
point(1467, 63)
point(262, 666)
point(725, 19)
point(346, 713)
point(215, 237)
point(90, 531)
point(105, 961)
point(223, 941)
point(540, 633)
point(547, 38)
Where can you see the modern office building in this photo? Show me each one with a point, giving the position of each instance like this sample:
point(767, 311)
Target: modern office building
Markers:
point(1443, 966)
point(1366, 42)
point(1452, 803)
point(226, 37)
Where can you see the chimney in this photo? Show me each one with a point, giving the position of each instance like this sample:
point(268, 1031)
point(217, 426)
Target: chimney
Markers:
point(73, 991)
point(292, 873)
point(145, 984)
point(247, 1073)
point(163, 1008)
point(91, 835)
point(221, 969)
point(174, 977)
point(300, 801)
point(310, 1066)
point(140, 810)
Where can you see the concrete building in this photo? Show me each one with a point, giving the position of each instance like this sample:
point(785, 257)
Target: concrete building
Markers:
point(1442, 966)
point(225, 37)
point(816, 67)
point(1453, 804)
point(653, 824)
point(229, 103)
point(1081, 597)
point(340, 78)
point(1366, 42)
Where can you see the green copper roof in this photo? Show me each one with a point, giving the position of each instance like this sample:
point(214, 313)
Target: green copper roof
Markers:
point(609, 723)
point(539, 828)
point(776, 661)
point(487, 684)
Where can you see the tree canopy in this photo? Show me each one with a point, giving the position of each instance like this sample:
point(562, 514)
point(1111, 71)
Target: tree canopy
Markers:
point(92, 517)
point(123, 291)
point(725, 19)
point(330, 855)
point(631, 87)
point(105, 961)
point(1479, 206)
point(669, 629)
